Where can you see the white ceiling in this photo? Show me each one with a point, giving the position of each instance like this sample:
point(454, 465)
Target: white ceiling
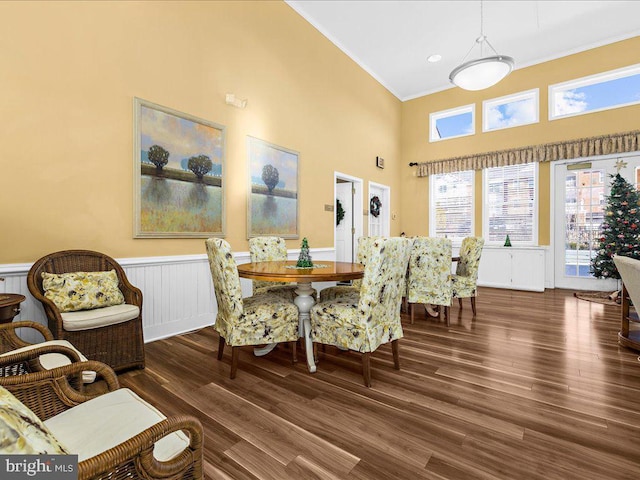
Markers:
point(392, 39)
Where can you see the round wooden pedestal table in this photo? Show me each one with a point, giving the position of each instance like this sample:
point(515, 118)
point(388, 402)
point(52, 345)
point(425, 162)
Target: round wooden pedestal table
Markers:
point(285, 271)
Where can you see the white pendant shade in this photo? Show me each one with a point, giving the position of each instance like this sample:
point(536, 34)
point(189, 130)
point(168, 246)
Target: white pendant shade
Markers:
point(481, 73)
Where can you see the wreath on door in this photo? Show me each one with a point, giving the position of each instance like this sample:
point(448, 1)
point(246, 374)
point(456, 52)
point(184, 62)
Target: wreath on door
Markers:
point(339, 212)
point(374, 206)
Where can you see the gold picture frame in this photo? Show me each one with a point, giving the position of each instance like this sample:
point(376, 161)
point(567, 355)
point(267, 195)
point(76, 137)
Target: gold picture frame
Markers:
point(178, 174)
point(272, 206)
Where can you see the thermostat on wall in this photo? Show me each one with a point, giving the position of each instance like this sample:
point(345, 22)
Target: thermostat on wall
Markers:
point(379, 162)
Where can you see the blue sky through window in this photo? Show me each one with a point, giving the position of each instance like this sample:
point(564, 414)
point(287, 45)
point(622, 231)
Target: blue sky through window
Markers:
point(455, 125)
point(600, 95)
point(520, 108)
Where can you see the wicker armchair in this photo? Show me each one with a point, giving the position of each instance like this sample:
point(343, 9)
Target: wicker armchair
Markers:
point(53, 353)
point(9, 339)
point(119, 345)
point(52, 398)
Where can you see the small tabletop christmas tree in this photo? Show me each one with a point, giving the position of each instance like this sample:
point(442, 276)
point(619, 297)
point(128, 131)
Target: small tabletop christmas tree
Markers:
point(304, 260)
point(620, 229)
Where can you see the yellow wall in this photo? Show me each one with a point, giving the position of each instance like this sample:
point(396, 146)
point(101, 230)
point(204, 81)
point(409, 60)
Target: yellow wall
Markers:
point(70, 71)
point(415, 128)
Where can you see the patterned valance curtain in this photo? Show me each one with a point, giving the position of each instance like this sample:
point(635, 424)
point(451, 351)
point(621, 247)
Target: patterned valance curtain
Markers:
point(582, 147)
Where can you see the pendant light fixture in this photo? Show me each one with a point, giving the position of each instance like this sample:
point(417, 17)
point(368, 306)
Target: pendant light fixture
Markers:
point(483, 72)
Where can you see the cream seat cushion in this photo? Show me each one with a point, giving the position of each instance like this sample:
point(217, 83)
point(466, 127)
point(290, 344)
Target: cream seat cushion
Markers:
point(54, 360)
point(629, 270)
point(99, 317)
point(104, 422)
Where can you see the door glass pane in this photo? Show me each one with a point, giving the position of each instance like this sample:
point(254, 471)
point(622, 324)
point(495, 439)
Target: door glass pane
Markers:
point(584, 210)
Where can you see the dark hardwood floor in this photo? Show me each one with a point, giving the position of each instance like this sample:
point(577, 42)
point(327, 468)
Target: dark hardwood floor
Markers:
point(536, 387)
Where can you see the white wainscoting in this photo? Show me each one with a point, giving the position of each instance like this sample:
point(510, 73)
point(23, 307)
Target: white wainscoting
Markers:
point(177, 291)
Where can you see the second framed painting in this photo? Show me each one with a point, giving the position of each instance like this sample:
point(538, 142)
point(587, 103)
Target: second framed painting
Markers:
point(273, 190)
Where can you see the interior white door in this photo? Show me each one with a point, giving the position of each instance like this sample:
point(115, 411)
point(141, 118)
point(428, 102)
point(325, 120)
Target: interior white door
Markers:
point(581, 190)
point(344, 230)
point(380, 226)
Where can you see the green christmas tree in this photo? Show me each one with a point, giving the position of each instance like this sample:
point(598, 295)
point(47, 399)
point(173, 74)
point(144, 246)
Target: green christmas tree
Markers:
point(619, 230)
point(304, 260)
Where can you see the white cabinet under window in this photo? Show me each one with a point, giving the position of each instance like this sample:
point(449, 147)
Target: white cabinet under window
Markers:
point(518, 268)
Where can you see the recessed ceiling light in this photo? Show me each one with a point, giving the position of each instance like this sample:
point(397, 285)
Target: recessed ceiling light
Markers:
point(434, 58)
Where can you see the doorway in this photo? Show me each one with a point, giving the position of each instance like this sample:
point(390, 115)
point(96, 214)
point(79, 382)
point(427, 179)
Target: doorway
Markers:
point(581, 190)
point(348, 194)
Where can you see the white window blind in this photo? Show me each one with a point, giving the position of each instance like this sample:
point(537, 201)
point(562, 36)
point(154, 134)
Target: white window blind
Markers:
point(451, 205)
point(510, 204)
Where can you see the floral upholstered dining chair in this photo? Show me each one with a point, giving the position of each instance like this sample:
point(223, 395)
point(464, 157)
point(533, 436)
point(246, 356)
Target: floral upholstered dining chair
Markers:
point(256, 320)
point(332, 293)
point(372, 317)
point(270, 249)
point(464, 283)
point(428, 274)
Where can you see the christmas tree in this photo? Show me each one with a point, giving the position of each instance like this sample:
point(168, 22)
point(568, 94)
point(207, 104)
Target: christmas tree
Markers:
point(304, 260)
point(619, 229)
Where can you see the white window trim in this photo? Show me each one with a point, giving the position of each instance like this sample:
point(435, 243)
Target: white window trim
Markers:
point(516, 97)
point(434, 116)
point(591, 80)
point(432, 203)
point(485, 211)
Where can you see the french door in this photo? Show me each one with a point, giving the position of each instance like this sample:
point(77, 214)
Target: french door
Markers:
point(581, 190)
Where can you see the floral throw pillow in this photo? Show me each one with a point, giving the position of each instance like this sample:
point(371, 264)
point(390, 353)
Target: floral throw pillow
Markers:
point(21, 431)
point(82, 290)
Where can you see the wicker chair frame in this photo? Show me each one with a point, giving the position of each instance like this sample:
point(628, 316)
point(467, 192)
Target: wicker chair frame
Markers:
point(9, 341)
point(121, 346)
point(50, 392)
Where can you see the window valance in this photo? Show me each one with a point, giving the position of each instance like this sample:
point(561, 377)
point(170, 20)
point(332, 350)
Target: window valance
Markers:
point(548, 152)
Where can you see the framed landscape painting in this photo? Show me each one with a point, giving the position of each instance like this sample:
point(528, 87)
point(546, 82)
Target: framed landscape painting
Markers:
point(178, 174)
point(273, 190)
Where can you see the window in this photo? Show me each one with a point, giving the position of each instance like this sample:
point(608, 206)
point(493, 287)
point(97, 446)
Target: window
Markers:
point(510, 111)
point(451, 205)
point(612, 89)
point(456, 122)
point(510, 204)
